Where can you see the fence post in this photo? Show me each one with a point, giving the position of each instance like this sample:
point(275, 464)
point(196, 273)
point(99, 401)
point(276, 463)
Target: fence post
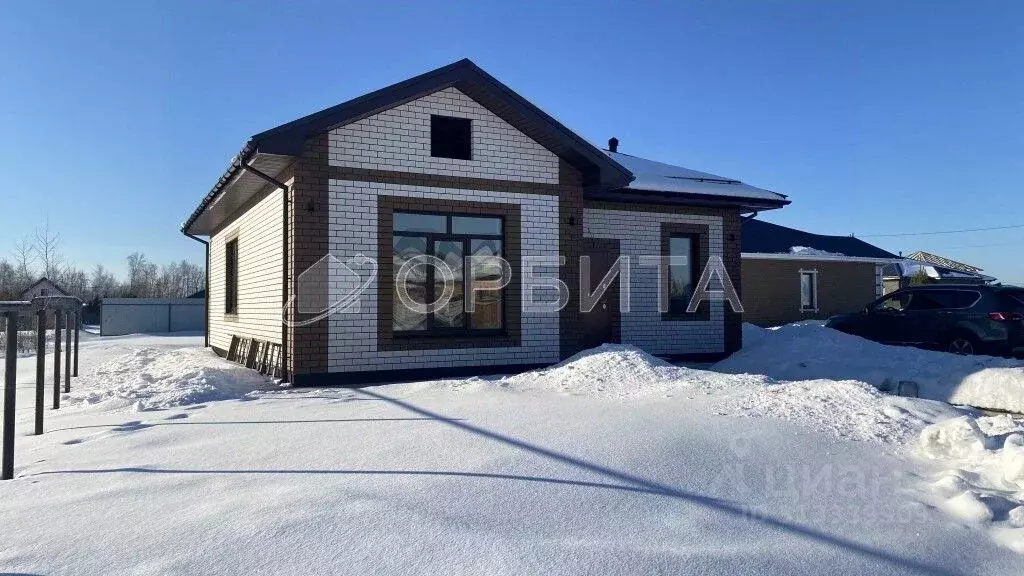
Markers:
point(40, 368)
point(78, 326)
point(10, 394)
point(56, 359)
point(67, 353)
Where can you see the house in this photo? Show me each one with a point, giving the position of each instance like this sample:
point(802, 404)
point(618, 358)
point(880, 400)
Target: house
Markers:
point(933, 269)
point(317, 219)
point(791, 275)
point(42, 287)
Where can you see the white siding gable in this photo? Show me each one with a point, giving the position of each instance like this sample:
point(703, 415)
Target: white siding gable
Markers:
point(398, 139)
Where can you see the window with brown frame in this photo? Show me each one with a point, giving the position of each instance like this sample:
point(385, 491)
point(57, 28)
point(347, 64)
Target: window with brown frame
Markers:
point(231, 276)
point(448, 237)
point(682, 276)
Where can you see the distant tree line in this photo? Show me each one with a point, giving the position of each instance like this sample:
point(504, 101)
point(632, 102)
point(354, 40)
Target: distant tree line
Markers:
point(40, 255)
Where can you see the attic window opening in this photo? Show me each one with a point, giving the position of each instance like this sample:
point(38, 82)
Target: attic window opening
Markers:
point(451, 137)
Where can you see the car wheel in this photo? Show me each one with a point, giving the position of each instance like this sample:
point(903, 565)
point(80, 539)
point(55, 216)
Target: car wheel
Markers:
point(962, 345)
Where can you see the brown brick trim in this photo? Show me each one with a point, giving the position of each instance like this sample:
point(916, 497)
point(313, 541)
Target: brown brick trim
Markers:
point(659, 208)
point(386, 339)
point(445, 181)
point(309, 230)
point(703, 235)
point(570, 245)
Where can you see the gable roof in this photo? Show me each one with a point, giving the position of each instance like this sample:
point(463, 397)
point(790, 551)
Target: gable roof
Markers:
point(50, 282)
point(944, 262)
point(670, 180)
point(759, 237)
point(272, 150)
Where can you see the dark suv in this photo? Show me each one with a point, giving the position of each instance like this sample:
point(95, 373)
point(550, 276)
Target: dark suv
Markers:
point(962, 319)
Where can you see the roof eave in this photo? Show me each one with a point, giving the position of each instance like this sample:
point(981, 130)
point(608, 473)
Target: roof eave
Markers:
point(684, 199)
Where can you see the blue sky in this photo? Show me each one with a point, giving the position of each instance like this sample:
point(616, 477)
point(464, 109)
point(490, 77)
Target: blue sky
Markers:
point(874, 117)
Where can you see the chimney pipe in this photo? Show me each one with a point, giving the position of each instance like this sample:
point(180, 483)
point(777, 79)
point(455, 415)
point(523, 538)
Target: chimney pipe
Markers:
point(613, 144)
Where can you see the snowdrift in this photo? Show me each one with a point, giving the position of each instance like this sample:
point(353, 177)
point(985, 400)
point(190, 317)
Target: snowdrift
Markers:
point(156, 378)
point(809, 351)
point(982, 477)
point(611, 370)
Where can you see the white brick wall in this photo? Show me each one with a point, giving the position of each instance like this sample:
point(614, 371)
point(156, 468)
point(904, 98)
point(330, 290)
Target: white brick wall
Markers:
point(639, 233)
point(259, 235)
point(399, 139)
point(353, 230)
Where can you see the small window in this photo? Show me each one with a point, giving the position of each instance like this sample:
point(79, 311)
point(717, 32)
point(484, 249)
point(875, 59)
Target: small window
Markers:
point(682, 275)
point(451, 137)
point(809, 290)
point(231, 276)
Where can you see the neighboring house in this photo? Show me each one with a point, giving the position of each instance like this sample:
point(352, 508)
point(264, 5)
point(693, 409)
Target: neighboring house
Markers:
point(445, 164)
point(935, 269)
point(791, 275)
point(42, 287)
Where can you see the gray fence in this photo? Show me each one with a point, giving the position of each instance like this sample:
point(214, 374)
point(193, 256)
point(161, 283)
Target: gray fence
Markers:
point(151, 315)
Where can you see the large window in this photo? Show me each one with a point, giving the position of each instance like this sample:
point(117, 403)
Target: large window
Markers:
point(451, 137)
point(450, 238)
point(682, 271)
point(809, 290)
point(231, 276)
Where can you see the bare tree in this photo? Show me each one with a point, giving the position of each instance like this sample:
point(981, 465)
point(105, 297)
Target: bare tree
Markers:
point(142, 276)
point(8, 289)
point(47, 248)
point(24, 261)
point(103, 284)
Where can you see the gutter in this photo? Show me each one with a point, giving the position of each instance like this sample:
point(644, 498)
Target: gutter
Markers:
point(206, 301)
point(242, 165)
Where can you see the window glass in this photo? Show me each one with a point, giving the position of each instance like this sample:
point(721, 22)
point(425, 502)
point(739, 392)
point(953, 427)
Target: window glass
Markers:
point(406, 248)
point(681, 276)
point(449, 238)
point(486, 281)
point(452, 314)
point(897, 302)
point(451, 137)
point(965, 298)
point(476, 226)
point(924, 300)
point(411, 222)
point(1012, 300)
point(231, 276)
point(808, 289)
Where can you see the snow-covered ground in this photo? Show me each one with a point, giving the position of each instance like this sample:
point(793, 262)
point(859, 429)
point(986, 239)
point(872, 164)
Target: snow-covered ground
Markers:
point(808, 350)
point(166, 459)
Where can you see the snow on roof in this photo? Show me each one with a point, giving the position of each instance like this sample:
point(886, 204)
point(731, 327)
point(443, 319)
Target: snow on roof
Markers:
point(660, 177)
point(760, 237)
point(944, 262)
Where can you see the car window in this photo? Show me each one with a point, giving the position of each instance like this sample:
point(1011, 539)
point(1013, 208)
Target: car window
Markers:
point(897, 302)
point(1012, 300)
point(930, 300)
point(965, 298)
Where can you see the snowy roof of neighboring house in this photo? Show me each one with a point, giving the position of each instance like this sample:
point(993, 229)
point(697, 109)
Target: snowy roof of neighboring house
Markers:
point(953, 265)
point(759, 237)
point(653, 176)
point(909, 267)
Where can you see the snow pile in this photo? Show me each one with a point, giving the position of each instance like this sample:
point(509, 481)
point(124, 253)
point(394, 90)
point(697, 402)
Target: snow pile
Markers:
point(617, 371)
point(153, 378)
point(982, 477)
point(845, 408)
point(805, 251)
point(809, 351)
